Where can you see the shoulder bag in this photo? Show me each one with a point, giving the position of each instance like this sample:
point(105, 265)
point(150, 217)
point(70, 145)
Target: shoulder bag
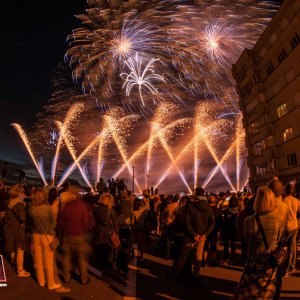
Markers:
point(278, 256)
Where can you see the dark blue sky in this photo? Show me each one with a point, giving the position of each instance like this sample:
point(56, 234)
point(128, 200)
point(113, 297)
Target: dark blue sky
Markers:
point(33, 34)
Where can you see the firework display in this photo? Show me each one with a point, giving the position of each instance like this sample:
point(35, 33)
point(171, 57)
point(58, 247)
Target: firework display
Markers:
point(205, 131)
point(164, 66)
point(195, 43)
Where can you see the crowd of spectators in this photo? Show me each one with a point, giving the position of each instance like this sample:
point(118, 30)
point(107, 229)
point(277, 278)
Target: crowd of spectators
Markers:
point(194, 230)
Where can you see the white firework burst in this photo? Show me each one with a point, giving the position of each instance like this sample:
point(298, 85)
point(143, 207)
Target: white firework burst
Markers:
point(142, 77)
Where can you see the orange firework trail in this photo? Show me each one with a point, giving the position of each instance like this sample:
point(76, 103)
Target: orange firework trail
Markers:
point(179, 156)
point(26, 143)
point(162, 117)
point(166, 147)
point(222, 161)
point(84, 154)
point(71, 116)
point(67, 140)
point(204, 132)
point(100, 157)
point(213, 154)
point(116, 123)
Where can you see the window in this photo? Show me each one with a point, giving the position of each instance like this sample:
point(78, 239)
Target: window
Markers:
point(273, 165)
point(269, 141)
point(242, 74)
point(282, 110)
point(266, 118)
point(259, 147)
point(247, 88)
point(254, 127)
point(257, 78)
point(287, 134)
point(292, 160)
point(282, 56)
point(295, 41)
point(270, 69)
point(261, 169)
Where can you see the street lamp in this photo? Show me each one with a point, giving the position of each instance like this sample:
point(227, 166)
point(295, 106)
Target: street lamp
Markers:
point(147, 183)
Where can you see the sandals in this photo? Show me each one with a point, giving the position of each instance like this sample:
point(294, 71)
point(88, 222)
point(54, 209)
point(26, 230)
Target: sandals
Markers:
point(23, 273)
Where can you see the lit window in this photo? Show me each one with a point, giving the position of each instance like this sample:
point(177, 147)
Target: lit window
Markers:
point(259, 147)
point(292, 160)
point(287, 134)
point(282, 110)
point(269, 142)
point(261, 169)
point(255, 126)
point(274, 165)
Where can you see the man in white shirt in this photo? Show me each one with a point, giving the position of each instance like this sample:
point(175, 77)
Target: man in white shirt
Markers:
point(292, 227)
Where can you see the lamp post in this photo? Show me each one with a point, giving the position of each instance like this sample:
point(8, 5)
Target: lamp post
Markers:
point(132, 179)
point(147, 183)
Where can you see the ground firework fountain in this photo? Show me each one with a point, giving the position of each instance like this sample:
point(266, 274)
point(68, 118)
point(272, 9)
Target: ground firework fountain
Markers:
point(115, 131)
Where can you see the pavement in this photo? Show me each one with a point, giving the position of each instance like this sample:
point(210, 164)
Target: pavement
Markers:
point(147, 280)
point(216, 283)
point(99, 287)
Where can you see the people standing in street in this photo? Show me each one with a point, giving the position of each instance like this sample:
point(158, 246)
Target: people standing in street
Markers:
point(42, 224)
point(292, 228)
point(282, 214)
point(106, 224)
point(74, 223)
point(258, 280)
point(200, 222)
point(212, 239)
point(229, 230)
point(138, 232)
point(180, 233)
point(248, 211)
point(14, 223)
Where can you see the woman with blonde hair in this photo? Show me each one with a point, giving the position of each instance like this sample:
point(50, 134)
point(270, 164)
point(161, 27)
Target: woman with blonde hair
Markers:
point(14, 223)
point(106, 223)
point(42, 222)
point(258, 280)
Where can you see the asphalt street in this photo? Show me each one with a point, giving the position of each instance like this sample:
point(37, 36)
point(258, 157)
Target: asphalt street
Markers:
point(147, 280)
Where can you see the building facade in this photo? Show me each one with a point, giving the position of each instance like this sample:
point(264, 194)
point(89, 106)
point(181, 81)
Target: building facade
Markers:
point(268, 83)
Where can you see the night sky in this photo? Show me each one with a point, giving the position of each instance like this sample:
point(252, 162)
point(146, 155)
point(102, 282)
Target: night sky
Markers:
point(33, 43)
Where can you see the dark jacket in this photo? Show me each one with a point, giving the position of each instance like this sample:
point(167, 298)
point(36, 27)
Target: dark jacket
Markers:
point(14, 226)
point(74, 218)
point(229, 230)
point(125, 207)
point(3, 198)
point(218, 220)
point(240, 223)
point(180, 220)
point(200, 219)
point(106, 221)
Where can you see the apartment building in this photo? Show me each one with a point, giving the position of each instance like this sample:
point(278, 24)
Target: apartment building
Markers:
point(268, 83)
